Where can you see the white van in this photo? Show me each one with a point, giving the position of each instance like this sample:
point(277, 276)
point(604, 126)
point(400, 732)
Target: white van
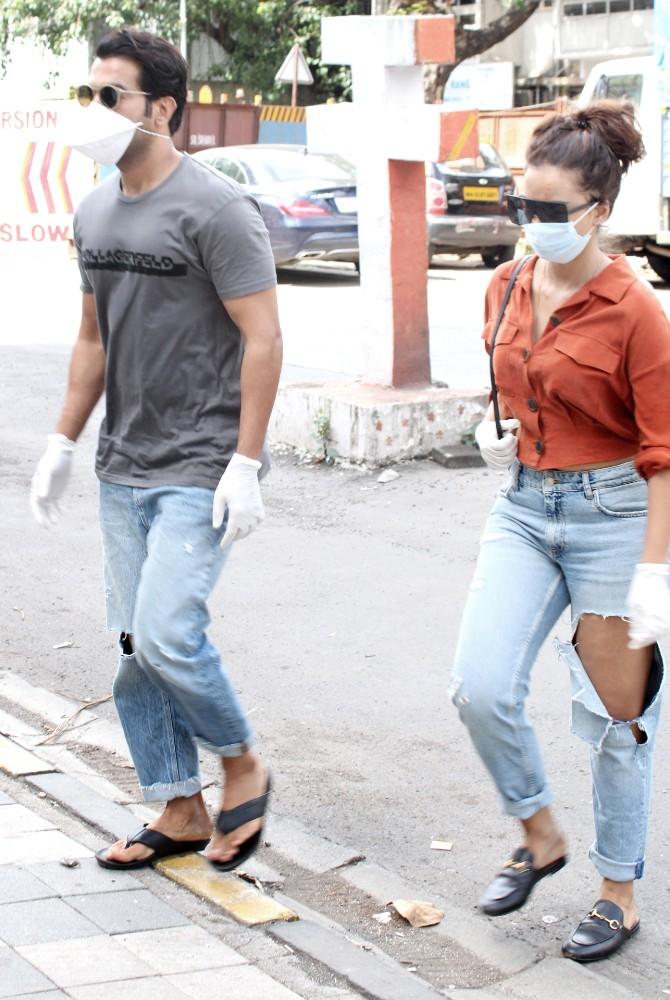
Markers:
point(640, 222)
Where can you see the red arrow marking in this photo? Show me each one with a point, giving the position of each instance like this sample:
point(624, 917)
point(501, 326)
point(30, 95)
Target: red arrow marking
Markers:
point(44, 177)
point(62, 170)
point(25, 176)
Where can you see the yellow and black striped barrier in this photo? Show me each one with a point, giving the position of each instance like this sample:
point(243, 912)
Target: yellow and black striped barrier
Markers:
point(281, 113)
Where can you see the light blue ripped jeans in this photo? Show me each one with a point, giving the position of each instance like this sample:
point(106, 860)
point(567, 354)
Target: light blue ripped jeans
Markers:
point(555, 539)
point(162, 559)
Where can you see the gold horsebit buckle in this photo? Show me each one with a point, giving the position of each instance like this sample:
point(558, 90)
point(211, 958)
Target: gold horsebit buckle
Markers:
point(521, 866)
point(614, 924)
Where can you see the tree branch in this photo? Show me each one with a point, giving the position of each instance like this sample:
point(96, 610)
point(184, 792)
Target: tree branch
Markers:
point(472, 43)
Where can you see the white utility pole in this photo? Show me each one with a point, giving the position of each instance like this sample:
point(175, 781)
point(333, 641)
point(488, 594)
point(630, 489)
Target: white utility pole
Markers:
point(183, 45)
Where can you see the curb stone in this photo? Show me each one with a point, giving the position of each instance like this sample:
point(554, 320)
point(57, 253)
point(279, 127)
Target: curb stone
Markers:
point(364, 966)
point(558, 978)
point(84, 802)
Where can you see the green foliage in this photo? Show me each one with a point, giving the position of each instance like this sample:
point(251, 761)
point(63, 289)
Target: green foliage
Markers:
point(256, 34)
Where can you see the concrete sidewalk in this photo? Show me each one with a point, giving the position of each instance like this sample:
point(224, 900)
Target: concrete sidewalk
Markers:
point(70, 929)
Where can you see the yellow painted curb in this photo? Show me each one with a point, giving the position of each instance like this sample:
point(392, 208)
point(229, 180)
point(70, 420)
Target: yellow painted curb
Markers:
point(16, 761)
point(239, 899)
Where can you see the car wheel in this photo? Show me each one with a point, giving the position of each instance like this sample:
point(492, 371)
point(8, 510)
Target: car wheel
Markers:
point(498, 255)
point(661, 265)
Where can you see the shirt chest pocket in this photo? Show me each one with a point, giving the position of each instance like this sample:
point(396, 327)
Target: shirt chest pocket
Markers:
point(507, 357)
point(507, 331)
point(591, 355)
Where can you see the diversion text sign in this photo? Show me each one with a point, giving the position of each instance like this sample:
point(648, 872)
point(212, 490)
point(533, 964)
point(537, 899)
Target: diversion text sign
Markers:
point(41, 179)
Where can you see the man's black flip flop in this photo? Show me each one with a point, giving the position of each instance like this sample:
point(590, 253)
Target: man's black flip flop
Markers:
point(162, 847)
point(230, 819)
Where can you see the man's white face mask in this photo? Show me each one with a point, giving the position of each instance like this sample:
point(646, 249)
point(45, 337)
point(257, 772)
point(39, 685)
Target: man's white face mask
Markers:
point(100, 133)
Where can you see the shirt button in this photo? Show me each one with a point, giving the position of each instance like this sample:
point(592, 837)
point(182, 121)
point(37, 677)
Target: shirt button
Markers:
point(533, 406)
point(525, 354)
point(554, 320)
point(539, 447)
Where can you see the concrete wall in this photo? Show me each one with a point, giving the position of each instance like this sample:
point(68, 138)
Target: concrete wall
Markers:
point(549, 38)
point(607, 36)
point(531, 48)
point(292, 132)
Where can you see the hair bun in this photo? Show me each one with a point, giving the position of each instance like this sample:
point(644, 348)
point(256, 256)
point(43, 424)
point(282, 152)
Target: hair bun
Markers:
point(600, 141)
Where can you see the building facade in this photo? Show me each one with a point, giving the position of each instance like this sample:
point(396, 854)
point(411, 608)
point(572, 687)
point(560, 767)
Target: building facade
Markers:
point(558, 45)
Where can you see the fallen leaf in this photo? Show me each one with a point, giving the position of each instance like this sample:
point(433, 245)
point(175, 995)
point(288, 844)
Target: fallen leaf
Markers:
point(388, 476)
point(549, 919)
point(417, 913)
point(441, 845)
point(382, 918)
point(247, 877)
point(70, 863)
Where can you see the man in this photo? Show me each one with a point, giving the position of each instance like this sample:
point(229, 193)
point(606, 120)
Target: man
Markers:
point(180, 329)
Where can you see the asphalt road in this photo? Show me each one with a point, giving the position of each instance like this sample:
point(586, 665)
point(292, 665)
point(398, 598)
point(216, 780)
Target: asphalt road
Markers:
point(338, 620)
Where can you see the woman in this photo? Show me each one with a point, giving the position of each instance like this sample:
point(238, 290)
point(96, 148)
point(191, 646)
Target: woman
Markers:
point(582, 368)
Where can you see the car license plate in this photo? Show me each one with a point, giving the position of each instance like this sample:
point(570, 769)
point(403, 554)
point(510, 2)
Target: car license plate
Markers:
point(348, 206)
point(481, 193)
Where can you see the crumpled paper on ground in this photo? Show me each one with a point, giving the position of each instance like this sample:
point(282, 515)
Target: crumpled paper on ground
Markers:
point(417, 913)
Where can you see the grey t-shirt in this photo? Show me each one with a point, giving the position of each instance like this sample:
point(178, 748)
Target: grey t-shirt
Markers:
point(159, 265)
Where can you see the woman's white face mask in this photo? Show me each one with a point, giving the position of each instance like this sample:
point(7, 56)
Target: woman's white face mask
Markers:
point(101, 134)
point(558, 242)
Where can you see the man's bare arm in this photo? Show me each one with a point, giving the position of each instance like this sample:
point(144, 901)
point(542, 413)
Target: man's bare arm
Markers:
point(257, 318)
point(86, 378)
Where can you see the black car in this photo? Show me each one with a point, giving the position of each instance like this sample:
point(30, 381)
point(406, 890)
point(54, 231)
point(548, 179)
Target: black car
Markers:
point(308, 200)
point(474, 219)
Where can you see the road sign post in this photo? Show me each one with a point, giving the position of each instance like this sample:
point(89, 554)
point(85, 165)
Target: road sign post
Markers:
point(294, 70)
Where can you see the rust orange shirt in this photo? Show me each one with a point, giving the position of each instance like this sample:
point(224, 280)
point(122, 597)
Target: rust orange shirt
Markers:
point(596, 385)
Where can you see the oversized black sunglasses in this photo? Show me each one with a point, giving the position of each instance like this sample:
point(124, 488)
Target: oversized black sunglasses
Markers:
point(110, 96)
point(524, 210)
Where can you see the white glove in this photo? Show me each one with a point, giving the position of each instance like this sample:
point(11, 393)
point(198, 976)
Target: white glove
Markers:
point(239, 491)
point(50, 479)
point(649, 604)
point(498, 453)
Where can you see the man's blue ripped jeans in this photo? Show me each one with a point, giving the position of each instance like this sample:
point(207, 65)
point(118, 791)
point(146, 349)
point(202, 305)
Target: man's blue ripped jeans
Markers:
point(162, 559)
point(555, 539)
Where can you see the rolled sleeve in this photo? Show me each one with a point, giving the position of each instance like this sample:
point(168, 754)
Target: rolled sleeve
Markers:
point(648, 369)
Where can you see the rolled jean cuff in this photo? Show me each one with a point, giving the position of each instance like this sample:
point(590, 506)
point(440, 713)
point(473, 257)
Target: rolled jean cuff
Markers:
point(163, 792)
point(525, 808)
point(616, 871)
point(230, 750)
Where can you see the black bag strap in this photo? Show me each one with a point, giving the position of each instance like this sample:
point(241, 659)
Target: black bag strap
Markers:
point(501, 312)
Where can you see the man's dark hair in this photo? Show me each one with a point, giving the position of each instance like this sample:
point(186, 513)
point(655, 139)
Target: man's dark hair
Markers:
point(163, 69)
